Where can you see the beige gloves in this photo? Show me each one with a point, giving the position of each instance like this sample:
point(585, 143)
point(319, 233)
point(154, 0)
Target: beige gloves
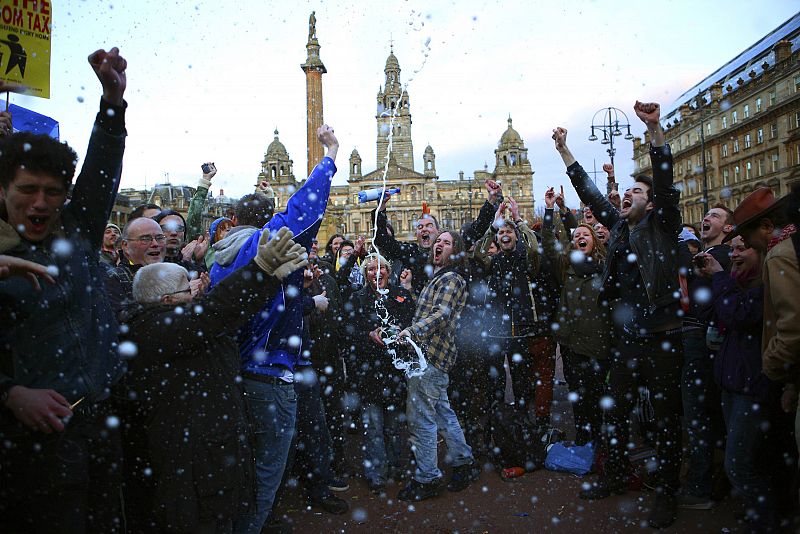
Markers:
point(280, 256)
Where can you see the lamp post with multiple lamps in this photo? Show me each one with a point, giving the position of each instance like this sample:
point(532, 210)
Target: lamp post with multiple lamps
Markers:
point(611, 124)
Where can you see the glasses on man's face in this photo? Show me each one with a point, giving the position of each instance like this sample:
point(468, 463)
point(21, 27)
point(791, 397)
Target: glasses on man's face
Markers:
point(169, 227)
point(148, 239)
point(187, 290)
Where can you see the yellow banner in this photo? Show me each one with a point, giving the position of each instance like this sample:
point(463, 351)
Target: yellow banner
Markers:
point(25, 45)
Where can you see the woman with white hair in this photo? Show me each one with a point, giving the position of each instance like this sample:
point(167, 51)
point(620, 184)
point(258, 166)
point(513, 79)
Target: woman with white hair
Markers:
point(380, 386)
point(183, 374)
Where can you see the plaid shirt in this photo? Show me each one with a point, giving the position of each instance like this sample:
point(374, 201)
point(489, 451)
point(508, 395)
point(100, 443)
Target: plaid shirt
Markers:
point(438, 309)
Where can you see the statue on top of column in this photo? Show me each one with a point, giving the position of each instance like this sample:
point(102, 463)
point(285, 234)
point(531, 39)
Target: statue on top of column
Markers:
point(312, 27)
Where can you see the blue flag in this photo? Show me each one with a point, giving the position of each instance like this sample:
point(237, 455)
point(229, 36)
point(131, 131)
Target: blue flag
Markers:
point(26, 120)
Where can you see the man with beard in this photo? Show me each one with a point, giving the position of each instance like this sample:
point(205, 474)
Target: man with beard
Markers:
point(108, 250)
point(414, 256)
point(641, 279)
point(427, 406)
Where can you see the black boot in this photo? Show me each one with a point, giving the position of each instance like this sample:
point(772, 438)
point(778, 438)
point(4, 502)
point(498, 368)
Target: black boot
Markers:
point(664, 512)
point(603, 487)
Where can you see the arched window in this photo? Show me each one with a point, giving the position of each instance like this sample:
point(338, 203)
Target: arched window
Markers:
point(283, 171)
point(355, 168)
point(274, 172)
point(513, 160)
point(413, 193)
point(429, 165)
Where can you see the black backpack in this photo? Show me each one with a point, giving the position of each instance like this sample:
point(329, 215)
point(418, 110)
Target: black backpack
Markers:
point(517, 441)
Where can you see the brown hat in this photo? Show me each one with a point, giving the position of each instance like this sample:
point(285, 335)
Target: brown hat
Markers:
point(755, 206)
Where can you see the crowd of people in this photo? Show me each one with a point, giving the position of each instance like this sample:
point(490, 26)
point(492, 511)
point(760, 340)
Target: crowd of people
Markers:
point(165, 377)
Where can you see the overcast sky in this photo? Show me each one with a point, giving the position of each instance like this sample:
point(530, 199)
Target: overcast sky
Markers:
point(211, 80)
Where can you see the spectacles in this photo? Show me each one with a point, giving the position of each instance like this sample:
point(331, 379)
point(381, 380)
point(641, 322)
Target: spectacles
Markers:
point(147, 239)
point(187, 290)
point(177, 228)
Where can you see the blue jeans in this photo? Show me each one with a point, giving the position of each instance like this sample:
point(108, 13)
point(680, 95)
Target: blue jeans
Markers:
point(428, 411)
point(383, 443)
point(747, 421)
point(700, 397)
point(313, 449)
point(273, 409)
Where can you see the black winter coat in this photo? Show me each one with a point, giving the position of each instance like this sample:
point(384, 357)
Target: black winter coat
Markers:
point(369, 365)
point(184, 377)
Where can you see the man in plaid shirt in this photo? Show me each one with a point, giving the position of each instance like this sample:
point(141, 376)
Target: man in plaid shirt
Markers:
point(427, 406)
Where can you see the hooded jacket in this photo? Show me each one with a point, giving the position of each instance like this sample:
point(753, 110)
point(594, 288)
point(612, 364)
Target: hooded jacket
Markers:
point(271, 342)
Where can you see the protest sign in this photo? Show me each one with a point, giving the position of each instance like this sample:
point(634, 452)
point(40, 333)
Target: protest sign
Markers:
point(25, 46)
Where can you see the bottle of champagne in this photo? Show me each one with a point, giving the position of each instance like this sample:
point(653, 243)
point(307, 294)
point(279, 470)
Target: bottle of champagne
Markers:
point(375, 193)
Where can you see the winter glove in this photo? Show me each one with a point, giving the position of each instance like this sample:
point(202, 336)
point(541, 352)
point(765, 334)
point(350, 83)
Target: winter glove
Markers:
point(298, 258)
point(280, 256)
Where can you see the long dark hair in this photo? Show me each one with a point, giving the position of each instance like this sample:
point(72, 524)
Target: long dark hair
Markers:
point(457, 258)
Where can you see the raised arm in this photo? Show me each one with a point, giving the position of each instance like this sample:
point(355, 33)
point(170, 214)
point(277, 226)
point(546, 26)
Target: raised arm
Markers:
point(587, 191)
point(306, 207)
point(194, 221)
point(479, 226)
point(665, 196)
point(96, 186)
point(390, 247)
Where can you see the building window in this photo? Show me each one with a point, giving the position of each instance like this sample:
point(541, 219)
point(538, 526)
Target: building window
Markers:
point(797, 119)
point(797, 154)
point(725, 150)
point(708, 156)
point(758, 104)
point(736, 173)
point(736, 145)
point(760, 136)
point(689, 166)
point(775, 162)
point(773, 130)
point(725, 177)
point(761, 167)
point(747, 142)
point(747, 170)
point(735, 117)
point(746, 111)
point(725, 122)
point(708, 128)
point(797, 83)
point(772, 97)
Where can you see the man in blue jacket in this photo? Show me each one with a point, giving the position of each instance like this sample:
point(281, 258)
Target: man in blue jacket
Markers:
point(271, 343)
point(60, 458)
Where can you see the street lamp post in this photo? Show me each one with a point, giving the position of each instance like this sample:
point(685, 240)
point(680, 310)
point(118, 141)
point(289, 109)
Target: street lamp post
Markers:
point(699, 102)
point(611, 123)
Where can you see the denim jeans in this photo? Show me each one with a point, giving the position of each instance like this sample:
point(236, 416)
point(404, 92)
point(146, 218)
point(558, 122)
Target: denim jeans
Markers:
point(747, 421)
point(313, 452)
point(429, 412)
point(273, 409)
point(700, 396)
point(383, 443)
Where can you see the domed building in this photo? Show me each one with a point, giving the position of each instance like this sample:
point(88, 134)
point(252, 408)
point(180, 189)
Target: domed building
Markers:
point(277, 170)
point(454, 201)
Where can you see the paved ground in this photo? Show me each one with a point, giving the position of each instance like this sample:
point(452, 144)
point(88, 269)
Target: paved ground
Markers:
point(542, 501)
point(538, 502)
